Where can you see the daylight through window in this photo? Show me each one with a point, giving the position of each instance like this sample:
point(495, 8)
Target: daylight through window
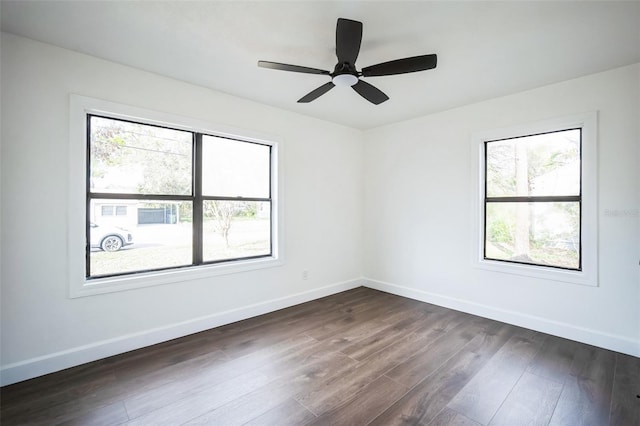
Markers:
point(533, 196)
point(160, 198)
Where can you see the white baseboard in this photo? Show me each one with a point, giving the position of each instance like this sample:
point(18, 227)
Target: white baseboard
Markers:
point(592, 337)
point(72, 357)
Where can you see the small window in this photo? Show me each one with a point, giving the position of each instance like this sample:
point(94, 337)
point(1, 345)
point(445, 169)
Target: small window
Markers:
point(536, 212)
point(108, 210)
point(532, 199)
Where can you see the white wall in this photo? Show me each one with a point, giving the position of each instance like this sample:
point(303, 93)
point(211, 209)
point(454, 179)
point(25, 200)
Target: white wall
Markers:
point(42, 329)
point(419, 219)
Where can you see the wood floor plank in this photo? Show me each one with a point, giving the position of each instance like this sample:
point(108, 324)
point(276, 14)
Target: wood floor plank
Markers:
point(325, 329)
point(531, 402)
point(40, 408)
point(245, 343)
point(145, 400)
point(326, 394)
point(349, 335)
point(266, 398)
point(370, 403)
point(586, 396)
point(384, 337)
point(62, 384)
point(405, 347)
point(323, 324)
point(330, 392)
point(625, 406)
point(434, 354)
point(449, 417)
point(484, 394)
point(245, 409)
point(289, 412)
point(409, 308)
point(130, 382)
point(110, 415)
point(200, 402)
point(430, 396)
point(554, 360)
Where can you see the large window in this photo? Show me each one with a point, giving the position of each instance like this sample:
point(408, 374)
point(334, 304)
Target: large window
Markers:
point(536, 213)
point(532, 199)
point(162, 198)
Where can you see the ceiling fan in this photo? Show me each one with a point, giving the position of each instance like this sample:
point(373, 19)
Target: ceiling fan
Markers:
point(348, 39)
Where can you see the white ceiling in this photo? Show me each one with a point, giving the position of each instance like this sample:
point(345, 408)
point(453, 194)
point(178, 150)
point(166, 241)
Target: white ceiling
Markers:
point(485, 49)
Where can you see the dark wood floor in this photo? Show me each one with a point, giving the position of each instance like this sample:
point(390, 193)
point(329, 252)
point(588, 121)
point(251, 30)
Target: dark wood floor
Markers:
point(355, 358)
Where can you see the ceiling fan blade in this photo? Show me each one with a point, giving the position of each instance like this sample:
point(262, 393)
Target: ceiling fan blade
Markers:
point(369, 92)
point(292, 68)
point(402, 66)
point(348, 39)
point(314, 94)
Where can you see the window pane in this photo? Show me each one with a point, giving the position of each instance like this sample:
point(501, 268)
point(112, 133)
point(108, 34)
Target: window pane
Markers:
point(153, 235)
point(539, 165)
point(121, 210)
point(132, 158)
point(232, 168)
point(236, 229)
point(537, 233)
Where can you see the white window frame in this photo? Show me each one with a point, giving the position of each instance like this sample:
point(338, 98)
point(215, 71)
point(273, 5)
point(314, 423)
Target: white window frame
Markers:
point(79, 285)
point(588, 122)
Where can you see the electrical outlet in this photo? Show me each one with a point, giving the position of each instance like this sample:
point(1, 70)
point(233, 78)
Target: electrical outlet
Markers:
point(305, 275)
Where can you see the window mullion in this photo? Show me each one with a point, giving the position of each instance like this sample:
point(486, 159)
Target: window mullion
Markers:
point(197, 200)
point(534, 199)
point(222, 198)
point(152, 197)
point(87, 197)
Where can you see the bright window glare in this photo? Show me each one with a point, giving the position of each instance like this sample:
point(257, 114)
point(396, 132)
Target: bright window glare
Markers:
point(234, 169)
point(548, 164)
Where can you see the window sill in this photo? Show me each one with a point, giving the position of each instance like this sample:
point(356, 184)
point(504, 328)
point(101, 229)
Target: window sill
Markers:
point(539, 272)
point(149, 279)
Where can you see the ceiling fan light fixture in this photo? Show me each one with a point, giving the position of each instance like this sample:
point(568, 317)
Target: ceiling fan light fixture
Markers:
point(344, 80)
